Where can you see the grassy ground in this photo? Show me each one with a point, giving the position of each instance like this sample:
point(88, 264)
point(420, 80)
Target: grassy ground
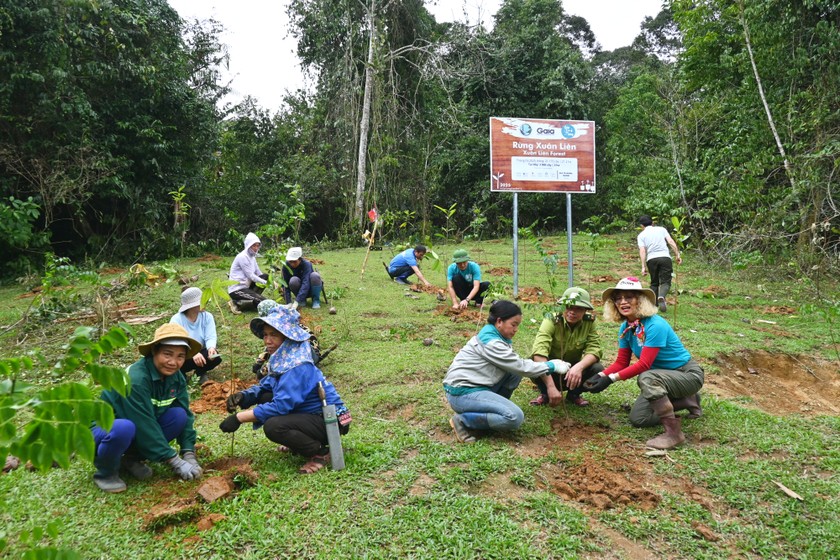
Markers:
point(572, 483)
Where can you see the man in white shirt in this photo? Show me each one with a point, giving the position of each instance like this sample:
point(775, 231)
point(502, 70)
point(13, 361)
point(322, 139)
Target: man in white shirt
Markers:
point(653, 252)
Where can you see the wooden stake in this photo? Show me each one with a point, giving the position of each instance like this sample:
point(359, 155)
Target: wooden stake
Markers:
point(370, 245)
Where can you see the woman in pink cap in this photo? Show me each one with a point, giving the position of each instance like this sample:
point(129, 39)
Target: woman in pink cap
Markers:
point(669, 379)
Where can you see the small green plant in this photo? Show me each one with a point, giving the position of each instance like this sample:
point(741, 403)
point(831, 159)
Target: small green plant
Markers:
point(286, 222)
point(448, 214)
point(398, 223)
point(181, 214)
point(335, 293)
point(550, 261)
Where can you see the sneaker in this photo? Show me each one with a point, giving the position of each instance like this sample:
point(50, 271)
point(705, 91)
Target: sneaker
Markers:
point(316, 305)
point(662, 305)
point(137, 469)
point(234, 308)
point(111, 484)
point(399, 280)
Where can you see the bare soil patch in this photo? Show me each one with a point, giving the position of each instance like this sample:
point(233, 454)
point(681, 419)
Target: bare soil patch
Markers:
point(779, 384)
point(534, 295)
point(499, 271)
point(468, 315)
point(214, 395)
point(209, 257)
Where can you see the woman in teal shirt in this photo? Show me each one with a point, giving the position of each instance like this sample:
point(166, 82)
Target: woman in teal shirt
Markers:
point(668, 378)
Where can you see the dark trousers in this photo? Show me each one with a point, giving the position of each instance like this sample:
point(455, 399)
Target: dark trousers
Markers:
point(560, 381)
point(463, 288)
point(303, 434)
point(189, 365)
point(252, 295)
point(661, 269)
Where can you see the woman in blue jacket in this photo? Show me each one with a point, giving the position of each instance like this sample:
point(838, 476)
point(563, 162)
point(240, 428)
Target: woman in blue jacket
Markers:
point(285, 402)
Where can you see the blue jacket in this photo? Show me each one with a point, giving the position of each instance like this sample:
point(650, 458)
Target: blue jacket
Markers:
point(295, 392)
point(303, 271)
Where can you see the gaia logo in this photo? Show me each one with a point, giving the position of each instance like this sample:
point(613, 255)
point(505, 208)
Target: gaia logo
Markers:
point(525, 129)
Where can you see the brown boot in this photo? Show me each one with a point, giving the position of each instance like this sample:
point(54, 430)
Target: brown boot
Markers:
point(673, 435)
point(692, 404)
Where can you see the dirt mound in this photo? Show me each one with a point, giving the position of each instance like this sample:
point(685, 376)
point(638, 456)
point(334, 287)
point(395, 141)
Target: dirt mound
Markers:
point(601, 485)
point(423, 289)
point(214, 395)
point(468, 315)
point(778, 384)
point(499, 271)
point(534, 295)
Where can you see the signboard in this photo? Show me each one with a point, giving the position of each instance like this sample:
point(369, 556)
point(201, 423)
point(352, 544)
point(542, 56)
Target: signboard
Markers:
point(542, 155)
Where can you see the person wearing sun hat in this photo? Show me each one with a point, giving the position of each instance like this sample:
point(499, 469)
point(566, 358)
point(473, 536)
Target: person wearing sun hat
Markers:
point(668, 378)
point(570, 336)
point(285, 401)
point(301, 280)
point(463, 278)
point(155, 411)
point(201, 326)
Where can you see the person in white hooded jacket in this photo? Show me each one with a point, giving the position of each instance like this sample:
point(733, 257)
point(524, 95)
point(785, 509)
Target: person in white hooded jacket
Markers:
point(251, 281)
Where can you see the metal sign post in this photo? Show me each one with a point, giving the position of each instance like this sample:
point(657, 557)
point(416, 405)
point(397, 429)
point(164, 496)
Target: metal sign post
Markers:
point(541, 155)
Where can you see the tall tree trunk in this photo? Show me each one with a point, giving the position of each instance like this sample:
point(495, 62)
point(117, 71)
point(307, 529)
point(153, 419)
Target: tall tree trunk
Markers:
point(365, 124)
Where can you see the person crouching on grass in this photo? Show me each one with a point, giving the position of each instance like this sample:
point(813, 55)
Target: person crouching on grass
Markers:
point(669, 379)
point(486, 371)
point(155, 411)
point(285, 401)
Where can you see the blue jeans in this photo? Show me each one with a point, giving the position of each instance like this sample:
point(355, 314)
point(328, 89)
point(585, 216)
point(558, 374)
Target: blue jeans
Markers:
point(490, 409)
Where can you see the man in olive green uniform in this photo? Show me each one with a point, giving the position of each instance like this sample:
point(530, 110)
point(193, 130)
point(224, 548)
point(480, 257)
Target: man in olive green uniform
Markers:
point(569, 336)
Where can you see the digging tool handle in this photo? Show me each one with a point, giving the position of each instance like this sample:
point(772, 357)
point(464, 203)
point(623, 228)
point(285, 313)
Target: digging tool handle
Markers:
point(333, 434)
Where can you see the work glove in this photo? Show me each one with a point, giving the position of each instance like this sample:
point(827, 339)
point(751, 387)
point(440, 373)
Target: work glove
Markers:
point(189, 457)
point(597, 383)
point(293, 306)
point(233, 402)
point(230, 424)
point(260, 285)
point(560, 366)
point(182, 468)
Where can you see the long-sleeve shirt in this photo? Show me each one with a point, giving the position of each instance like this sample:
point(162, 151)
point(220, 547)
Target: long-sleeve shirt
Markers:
point(150, 395)
point(295, 392)
point(203, 330)
point(486, 359)
point(566, 342)
point(244, 268)
point(303, 271)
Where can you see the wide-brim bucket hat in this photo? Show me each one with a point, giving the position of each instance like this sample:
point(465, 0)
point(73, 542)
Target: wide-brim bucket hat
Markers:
point(285, 320)
point(461, 255)
point(191, 297)
point(630, 284)
point(174, 335)
point(575, 297)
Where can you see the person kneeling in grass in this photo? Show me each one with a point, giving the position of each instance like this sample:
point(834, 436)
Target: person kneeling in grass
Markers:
point(285, 401)
point(486, 371)
point(155, 411)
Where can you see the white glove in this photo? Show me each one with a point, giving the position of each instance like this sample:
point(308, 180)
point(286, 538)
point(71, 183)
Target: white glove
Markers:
point(560, 366)
point(293, 305)
point(182, 468)
point(189, 457)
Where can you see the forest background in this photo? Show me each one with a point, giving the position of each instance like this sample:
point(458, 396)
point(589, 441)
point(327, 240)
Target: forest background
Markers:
point(722, 115)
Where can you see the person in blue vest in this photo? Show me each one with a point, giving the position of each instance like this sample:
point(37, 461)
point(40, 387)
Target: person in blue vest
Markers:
point(407, 263)
point(463, 278)
point(155, 412)
point(301, 280)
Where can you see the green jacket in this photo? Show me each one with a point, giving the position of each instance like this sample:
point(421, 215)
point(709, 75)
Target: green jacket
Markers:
point(558, 340)
point(150, 395)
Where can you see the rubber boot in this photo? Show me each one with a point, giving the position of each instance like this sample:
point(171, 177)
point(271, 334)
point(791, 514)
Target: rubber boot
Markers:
point(136, 468)
point(673, 435)
point(692, 404)
point(106, 476)
point(315, 293)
